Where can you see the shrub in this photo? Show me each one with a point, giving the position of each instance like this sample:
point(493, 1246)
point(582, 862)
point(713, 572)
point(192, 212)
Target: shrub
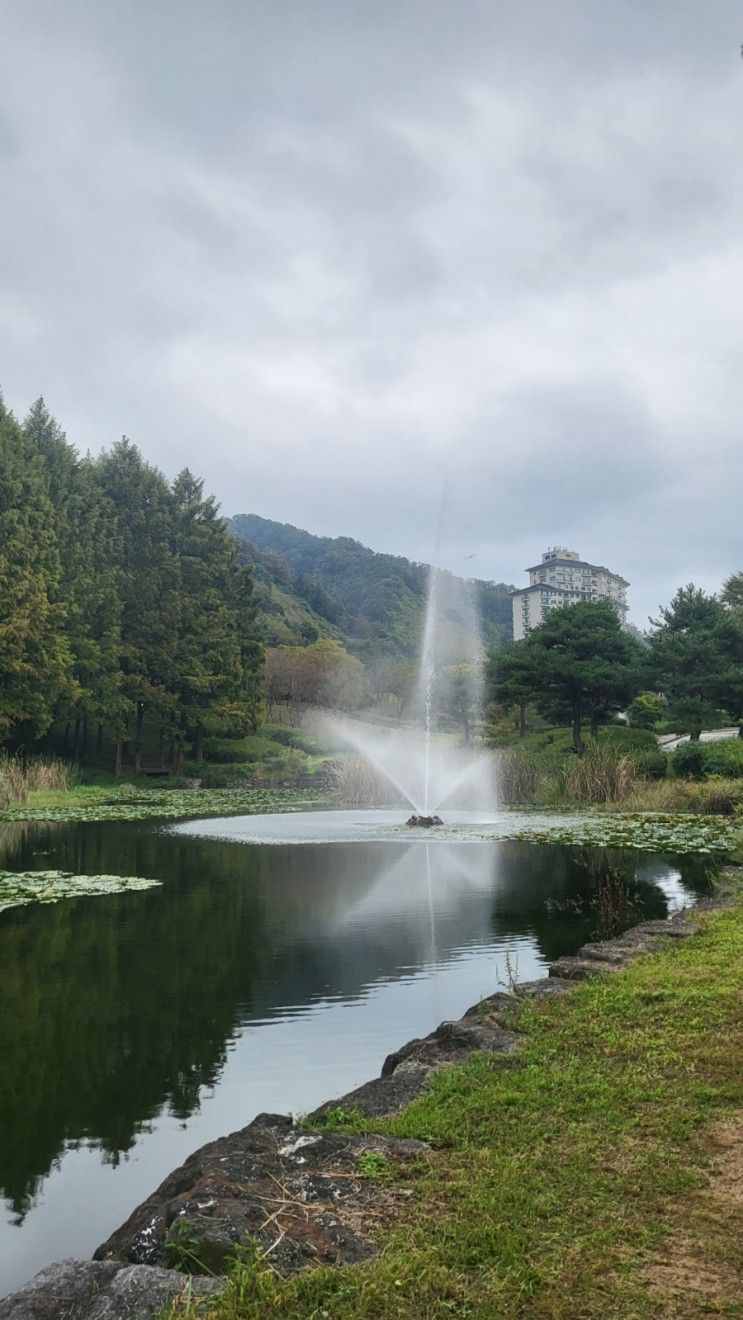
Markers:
point(689, 761)
point(700, 760)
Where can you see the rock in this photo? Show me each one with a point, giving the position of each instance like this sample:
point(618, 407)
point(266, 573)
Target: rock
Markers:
point(101, 1290)
point(383, 1095)
point(299, 1195)
point(579, 969)
point(452, 1042)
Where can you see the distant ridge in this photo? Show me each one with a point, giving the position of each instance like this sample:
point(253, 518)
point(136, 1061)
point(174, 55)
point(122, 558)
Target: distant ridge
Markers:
point(335, 586)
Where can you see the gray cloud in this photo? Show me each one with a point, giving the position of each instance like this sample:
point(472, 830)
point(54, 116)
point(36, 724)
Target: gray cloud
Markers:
point(339, 257)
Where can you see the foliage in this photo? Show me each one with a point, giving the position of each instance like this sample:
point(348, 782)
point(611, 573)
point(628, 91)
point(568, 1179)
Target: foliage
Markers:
point(647, 710)
point(699, 760)
point(35, 662)
point(376, 601)
point(322, 674)
point(522, 1210)
point(696, 652)
point(123, 604)
point(579, 664)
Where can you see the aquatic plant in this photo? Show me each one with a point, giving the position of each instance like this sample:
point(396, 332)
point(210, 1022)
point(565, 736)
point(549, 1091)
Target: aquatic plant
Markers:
point(18, 888)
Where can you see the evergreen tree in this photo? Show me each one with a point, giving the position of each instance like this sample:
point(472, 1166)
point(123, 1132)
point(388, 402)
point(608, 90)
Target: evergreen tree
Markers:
point(697, 658)
point(580, 663)
point(89, 577)
point(210, 679)
point(143, 523)
point(35, 663)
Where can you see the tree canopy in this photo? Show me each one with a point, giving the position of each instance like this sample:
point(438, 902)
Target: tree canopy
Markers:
point(122, 598)
point(578, 665)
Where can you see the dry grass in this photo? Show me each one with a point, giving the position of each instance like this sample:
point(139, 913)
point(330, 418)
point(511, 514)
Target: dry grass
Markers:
point(694, 1270)
point(602, 774)
point(522, 777)
point(20, 777)
point(358, 784)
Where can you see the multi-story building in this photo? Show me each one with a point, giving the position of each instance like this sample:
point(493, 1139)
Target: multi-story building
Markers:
point(563, 578)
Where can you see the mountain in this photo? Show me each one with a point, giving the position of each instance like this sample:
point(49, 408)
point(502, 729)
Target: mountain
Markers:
point(309, 586)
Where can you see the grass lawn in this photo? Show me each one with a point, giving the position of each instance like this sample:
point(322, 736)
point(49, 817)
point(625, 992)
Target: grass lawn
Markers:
point(597, 1175)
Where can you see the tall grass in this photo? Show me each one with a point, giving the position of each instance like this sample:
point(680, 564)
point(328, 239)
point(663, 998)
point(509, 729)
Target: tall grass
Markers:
point(522, 777)
point(601, 774)
point(20, 776)
point(358, 784)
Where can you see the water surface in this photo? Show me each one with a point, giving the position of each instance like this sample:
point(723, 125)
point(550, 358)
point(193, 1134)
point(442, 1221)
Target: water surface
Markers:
point(135, 1027)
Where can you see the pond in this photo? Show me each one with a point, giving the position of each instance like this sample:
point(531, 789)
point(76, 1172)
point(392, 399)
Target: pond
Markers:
point(135, 1027)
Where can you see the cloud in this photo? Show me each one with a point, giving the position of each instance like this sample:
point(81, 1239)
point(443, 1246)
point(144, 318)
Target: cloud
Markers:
point(339, 258)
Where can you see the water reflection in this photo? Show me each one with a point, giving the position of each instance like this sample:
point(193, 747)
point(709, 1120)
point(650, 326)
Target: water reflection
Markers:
point(147, 1023)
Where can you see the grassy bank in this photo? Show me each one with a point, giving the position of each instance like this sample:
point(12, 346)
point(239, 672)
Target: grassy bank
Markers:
point(587, 1179)
point(622, 768)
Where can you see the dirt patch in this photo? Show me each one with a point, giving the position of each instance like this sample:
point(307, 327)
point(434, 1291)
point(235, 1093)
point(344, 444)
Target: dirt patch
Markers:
point(699, 1269)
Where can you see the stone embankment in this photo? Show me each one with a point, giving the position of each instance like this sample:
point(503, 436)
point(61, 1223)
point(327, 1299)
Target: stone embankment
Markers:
point(303, 1194)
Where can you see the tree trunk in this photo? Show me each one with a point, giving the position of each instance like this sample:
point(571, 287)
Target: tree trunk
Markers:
point(522, 719)
point(694, 735)
point(577, 740)
point(138, 738)
point(740, 730)
point(118, 760)
point(178, 755)
point(199, 744)
point(76, 741)
point(99, 741)
point(84, 749)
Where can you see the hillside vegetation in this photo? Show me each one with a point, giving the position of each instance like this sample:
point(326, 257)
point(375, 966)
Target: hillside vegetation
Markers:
point(374, 602)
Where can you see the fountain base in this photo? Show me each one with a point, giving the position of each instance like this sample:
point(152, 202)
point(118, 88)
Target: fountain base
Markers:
point(425, 821)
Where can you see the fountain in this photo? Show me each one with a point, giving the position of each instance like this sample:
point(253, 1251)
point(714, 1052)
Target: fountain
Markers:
point(421, 760)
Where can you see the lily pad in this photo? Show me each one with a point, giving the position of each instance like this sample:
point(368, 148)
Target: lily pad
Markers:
point(18, 888)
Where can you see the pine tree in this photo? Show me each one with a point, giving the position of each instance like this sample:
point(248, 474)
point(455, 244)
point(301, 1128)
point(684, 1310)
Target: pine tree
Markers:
point(142, 514)
point(697, 659)
point(580, 663)
point(35, 663)
point(89, 578)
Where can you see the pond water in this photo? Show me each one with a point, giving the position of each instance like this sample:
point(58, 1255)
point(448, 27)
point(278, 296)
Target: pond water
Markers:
point(135, 1027)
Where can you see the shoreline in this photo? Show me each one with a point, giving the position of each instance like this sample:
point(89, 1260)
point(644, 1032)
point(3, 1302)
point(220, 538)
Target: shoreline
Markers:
point(196, 1216)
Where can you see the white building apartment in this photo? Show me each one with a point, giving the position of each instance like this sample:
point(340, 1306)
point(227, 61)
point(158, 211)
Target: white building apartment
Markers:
point(563, 578)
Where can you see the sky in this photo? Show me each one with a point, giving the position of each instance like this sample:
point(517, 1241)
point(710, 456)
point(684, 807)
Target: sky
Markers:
point(462, 279)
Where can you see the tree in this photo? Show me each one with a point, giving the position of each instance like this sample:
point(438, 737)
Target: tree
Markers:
point(89, 576)
point(35, 662)
point(647, 710)
point(697, 657)
point(732, 593)
point(142, 512)
point(580, 663)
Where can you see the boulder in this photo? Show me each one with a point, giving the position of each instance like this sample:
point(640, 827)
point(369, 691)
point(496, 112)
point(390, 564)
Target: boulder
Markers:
point(101, 1290)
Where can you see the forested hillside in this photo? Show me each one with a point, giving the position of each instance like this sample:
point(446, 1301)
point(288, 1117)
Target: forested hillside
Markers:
point(124, 609)
point(374, 601)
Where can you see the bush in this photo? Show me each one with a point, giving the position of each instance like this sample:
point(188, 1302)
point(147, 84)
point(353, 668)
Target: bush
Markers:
point(641, 745)
point(700, 760)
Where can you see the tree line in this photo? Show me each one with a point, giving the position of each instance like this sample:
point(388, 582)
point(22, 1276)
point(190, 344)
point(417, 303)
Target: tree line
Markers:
point(580, 667)
point(123, 604)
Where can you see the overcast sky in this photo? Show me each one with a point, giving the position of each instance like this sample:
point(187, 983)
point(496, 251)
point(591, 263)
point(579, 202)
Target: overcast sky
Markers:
point(341, 257)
